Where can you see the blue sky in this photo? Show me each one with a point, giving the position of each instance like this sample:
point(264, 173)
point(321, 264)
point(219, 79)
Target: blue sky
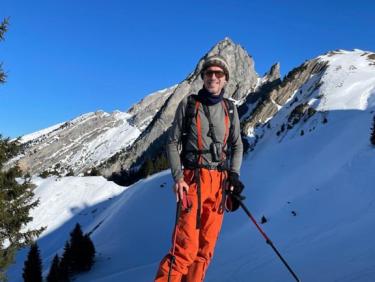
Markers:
point(66, 58)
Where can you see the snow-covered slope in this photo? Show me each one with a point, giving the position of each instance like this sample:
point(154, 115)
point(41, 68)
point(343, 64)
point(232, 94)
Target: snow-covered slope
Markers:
point(349, 82)
point(321, 167)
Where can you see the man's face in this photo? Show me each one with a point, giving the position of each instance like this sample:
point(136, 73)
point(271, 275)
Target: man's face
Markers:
point(214, 79)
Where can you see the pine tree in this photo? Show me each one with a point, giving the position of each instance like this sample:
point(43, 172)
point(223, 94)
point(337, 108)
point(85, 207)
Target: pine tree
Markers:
point(82, 251)
point(3, 30)
point(78, 256)
point(372, 138)
point(54, 271)
point(147, 168)
point(88, 253)
point(65, 263)
point(16, 199)
point(161, 163)
point(76, 244)
point(32, 271)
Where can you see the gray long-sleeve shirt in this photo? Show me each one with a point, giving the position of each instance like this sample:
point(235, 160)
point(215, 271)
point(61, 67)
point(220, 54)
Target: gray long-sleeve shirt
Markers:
point(217, 114)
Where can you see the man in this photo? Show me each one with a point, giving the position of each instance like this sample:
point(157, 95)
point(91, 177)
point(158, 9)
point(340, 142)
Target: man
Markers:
point(208, 127)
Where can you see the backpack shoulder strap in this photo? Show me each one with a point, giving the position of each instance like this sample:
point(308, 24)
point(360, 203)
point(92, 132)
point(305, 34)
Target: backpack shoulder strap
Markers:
point(230, 106)
point(188, 118)
point(189, 113)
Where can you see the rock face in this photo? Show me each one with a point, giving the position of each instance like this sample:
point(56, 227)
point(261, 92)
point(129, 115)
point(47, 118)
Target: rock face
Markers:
point(273, 74)
point(243, 81)
point(143, 112)
point(278, 93)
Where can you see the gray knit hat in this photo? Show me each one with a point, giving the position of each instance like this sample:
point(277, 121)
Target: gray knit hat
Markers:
point(216, 60)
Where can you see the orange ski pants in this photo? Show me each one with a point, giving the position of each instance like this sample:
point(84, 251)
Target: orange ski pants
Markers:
point(194, 247)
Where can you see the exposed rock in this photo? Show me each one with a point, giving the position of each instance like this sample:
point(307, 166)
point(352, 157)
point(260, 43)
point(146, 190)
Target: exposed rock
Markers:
point(269, 82)
point(273, 74)
point(143, 112)
point(280, 93)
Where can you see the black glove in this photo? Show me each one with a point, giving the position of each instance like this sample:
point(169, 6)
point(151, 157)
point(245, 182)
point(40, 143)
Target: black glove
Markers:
point(232, 198)
point(234, 180)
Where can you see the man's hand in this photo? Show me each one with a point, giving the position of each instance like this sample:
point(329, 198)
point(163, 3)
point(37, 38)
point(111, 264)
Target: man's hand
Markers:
point(235, 185)
point(179, 187)
point(235, 189)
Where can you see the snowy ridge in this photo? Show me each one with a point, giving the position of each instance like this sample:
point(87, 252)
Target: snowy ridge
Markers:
point(46, 131)
point(28, 137)
point(165, 91)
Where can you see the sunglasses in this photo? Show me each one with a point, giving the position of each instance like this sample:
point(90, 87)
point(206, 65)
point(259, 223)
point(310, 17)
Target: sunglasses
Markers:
point(217, 73)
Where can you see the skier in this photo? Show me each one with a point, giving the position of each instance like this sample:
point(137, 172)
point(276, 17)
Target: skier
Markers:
point(208, 128)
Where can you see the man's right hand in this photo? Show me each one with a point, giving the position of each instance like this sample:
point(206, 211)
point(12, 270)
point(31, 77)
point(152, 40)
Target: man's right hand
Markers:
point(179, 187)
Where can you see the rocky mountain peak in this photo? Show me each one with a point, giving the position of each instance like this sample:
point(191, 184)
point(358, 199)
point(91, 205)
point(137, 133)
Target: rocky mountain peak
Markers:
point(243, 76)
point(273, 73)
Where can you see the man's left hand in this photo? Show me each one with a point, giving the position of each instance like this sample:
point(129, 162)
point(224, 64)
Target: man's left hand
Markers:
point(235, 185)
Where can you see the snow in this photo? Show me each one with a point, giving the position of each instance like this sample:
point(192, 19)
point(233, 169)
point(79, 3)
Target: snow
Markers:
point(349, 82)
point(39, 133)
point(325, 176)
point(165, 90)
point(35, 135)
point(80, 193)
point(106, 144)
point(64, 201)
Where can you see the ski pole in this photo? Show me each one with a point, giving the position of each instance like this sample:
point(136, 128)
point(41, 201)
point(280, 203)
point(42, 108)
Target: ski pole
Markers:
point(178, 211)
point(268, 241)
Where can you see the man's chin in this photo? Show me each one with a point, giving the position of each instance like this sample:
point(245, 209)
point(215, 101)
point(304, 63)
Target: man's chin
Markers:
point(213, 91)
